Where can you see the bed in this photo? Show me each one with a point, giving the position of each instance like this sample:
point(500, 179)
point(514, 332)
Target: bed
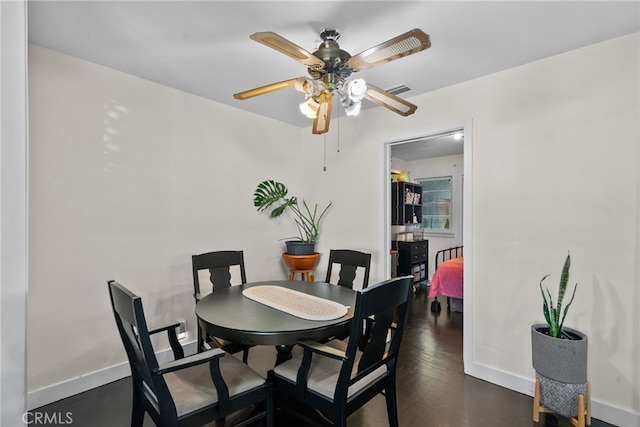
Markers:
point(448, 278)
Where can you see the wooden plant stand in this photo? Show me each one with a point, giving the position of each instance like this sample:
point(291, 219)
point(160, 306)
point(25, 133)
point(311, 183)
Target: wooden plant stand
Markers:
point(303, 264)
point(584, 408)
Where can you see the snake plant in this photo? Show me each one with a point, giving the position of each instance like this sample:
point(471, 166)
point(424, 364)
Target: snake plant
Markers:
point(555, 315)
point(271, 193)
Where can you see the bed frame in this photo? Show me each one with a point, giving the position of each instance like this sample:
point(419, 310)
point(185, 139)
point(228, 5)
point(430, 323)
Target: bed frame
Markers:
point(447, 254)
point(442, 256)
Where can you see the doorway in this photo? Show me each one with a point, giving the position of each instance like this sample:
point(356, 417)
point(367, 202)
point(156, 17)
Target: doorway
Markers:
point(454, 145)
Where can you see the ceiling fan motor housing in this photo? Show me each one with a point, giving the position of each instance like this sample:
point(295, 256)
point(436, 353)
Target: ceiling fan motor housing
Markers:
point(334, 58)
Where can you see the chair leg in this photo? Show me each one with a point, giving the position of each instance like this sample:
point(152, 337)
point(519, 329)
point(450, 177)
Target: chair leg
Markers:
point(200, 339)
point(392, 404)
point(270, 405)
point(245, 355)
point(137, 412)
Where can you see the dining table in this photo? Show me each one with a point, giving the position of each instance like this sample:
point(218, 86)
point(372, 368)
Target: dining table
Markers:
point(232, 314)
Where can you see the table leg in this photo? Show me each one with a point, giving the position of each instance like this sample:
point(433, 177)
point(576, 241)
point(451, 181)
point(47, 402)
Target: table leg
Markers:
point(284, 353)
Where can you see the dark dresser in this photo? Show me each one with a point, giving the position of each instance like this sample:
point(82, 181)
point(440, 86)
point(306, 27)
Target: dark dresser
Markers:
point(412, 260)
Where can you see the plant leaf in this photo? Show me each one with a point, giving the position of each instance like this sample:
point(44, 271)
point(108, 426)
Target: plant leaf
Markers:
point(267, 193)
point(564, 279)
point(566, 308)
point(555, 315)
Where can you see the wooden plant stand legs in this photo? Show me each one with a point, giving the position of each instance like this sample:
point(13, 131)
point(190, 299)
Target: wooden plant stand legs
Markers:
point(584, 413)
point(304, 275)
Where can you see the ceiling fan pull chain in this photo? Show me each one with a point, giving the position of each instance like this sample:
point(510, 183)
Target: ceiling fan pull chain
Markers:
point(338, 146)
point(324, 168)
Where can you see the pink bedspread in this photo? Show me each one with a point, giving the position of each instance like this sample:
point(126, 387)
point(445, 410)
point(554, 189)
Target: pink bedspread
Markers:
point(448, 279)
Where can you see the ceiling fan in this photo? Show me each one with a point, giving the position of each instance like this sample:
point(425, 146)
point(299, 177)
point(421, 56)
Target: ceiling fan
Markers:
point(330, 67)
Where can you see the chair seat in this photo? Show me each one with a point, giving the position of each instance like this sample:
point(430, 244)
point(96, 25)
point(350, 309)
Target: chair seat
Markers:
point(192, 388)
point(324, 372)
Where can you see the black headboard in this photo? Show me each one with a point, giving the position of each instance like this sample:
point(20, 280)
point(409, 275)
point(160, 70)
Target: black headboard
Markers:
point(447, 254)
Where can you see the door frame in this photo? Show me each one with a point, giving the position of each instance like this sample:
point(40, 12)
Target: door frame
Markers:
point(467, 222)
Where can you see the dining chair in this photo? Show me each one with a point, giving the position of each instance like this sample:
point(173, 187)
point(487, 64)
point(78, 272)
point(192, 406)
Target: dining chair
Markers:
point(349, 261)
point(336, 378)
point(192, 390)
point(219, 265)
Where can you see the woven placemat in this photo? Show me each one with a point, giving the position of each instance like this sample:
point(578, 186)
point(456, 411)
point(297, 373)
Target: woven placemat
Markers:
point(296, 303)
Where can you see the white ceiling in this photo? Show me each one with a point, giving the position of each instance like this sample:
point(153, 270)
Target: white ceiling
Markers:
point(203, 47)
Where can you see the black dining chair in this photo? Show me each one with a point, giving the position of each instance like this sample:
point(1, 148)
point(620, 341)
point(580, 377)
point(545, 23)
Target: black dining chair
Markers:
point(336, 378)
point(193, 390)
point(349, 261)
point(218, 264)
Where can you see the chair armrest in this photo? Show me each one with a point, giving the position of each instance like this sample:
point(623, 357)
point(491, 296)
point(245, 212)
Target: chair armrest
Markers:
point(322, 349)
point(189, 361)
point(165, 328)
point(309, 348)
point(178, 352)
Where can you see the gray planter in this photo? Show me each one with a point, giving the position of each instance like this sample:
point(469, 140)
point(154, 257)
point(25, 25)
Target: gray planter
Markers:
point(561, 367)
point(296, 247)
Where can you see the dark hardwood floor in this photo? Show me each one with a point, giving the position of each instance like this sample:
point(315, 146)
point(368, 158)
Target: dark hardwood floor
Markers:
point(432, 388)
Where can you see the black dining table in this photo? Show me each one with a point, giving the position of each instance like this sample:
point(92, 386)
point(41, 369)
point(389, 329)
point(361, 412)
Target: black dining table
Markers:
point(230, 315)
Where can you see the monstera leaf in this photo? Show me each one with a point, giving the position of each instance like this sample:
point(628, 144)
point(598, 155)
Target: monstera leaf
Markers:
point(271, 193)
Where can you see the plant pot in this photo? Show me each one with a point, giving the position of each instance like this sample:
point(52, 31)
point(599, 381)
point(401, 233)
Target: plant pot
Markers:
point(561, 368)
point(301, 262)
point(296, 247)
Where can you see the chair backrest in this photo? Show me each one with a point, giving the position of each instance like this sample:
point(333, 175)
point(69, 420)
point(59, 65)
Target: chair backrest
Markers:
point(129, 315)
point(380, 305)
point(349, 261)
point(219, 264)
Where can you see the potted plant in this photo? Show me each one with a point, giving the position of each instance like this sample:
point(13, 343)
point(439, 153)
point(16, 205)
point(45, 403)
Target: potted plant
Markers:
point(559, 354)
point(272, 194)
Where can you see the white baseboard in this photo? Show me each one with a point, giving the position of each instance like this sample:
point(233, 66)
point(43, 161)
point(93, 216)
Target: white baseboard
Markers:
point(599, 410)
point(73, 386)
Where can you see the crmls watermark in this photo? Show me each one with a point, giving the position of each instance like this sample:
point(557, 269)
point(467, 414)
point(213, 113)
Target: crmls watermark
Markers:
point(48, 418)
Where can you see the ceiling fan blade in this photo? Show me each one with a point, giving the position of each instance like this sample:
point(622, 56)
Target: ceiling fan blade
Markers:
point(265, 89)
point(390, 101)
point(279, 43)
point(321, 122)
point(405, 44)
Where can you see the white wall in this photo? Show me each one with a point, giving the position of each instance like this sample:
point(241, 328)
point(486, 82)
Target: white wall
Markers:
point(13, 211)
point(556, 156)
point(129, 179)
point(555, 146)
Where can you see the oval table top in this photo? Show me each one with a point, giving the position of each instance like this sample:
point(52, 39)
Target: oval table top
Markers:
point(229, 315)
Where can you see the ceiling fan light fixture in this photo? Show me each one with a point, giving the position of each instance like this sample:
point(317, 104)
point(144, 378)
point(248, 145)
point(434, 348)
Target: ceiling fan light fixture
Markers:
point(308, 86)
point(310, 107)
point(355, 89)
point(353, 108)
